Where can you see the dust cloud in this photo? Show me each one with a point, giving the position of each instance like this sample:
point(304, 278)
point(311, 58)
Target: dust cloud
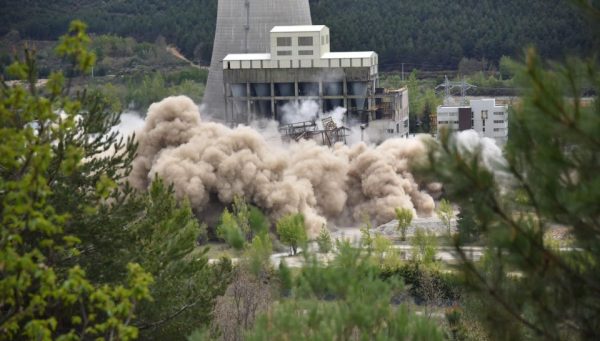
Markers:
point(210, 164)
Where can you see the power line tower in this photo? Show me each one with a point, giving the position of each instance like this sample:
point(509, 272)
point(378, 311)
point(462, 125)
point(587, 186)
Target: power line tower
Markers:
point(448, 86)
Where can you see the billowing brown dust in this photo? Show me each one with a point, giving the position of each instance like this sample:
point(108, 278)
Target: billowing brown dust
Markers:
point(343, 185)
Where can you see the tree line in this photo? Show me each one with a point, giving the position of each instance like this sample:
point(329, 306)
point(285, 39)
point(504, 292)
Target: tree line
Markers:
point(432, 32)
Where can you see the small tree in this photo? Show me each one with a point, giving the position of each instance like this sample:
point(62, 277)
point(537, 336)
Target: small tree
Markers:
point(445, 212)
point(382, 247)
point(424, 245)
point(285, 279)
point(324, 241)
point(291, 231)
point(230, 231)
point(404, 217)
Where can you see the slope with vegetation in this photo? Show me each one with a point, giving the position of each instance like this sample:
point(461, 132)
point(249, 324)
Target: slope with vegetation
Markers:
point(437, 33)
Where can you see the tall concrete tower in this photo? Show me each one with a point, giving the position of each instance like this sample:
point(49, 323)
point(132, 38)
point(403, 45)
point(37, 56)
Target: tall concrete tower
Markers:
point(243, 26)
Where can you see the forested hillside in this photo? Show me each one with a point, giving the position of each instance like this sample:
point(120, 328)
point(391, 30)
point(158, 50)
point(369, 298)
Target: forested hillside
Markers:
point(427, 33)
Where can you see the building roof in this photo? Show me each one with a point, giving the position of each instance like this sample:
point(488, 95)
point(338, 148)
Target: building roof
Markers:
point(360, 54)
point(247, 56)
point(297, 28)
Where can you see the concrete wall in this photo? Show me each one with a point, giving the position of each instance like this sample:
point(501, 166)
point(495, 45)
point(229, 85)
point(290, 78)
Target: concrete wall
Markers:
point(231, 36)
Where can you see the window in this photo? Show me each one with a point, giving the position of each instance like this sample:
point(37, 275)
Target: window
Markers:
point(390, 131)
point(484, 114)
point(284, 41)
point(305, 52)
point(284, 53)
point(305, 41)
point(498, 113)
point(501, 121)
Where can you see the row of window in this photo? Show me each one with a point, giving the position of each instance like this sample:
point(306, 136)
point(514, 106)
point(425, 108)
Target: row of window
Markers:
point(302, 41)
point(499, 121)
point(448, 122)
point(301, 53)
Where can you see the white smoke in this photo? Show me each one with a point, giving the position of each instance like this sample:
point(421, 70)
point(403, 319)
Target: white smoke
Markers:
point(303, 111)
point(469, 141)
point(130, 122)
point(210, 163)
point(309, 110)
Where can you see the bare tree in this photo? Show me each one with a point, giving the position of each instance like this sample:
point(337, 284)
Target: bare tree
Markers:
point(245, 298)
point(432, 293)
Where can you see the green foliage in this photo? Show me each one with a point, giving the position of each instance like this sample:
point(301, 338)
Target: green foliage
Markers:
point(258, 254)
point(324, 241)
point(527, 287)
point(385, 253)
point(344, 300)
point(43, 296)
point(506, 67)
point(424, 245)
point(422, 102)
point(404, 217)
point(292, 232)
point(438, 35)
point(445, 212)
point(185, 285)
point(242, 224)
point(366, 240)
point(259, 223)
point(285, 279)
point(466, 224)
point(230, 231)
point(416, 277)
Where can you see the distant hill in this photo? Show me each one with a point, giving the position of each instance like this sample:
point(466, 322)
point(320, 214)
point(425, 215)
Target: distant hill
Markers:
point(426, 33)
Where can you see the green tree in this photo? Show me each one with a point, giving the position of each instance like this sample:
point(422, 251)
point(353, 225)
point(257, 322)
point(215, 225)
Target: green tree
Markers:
point(324, 240)
point(185, 286)
point(404, 217)
point(292, 232)
point(230, 231)
point(424, 246)
point(285, 279)
point(344, 300)
point(42, 298)
point(445, 212)
point(529, 287)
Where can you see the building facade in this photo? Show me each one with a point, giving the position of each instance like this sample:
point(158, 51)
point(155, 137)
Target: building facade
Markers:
point(300, 67)
point(243, 27)
point(482, 115)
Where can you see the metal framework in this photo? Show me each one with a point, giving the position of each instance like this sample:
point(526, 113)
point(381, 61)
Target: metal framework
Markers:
point(329, 135)
point(462, 85)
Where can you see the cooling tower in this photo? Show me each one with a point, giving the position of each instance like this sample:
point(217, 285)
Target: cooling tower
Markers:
point(243, 26)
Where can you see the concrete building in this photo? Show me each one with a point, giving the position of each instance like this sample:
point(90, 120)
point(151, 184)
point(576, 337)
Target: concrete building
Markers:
point(243, 27)
point(482, 115)
point(300, 67)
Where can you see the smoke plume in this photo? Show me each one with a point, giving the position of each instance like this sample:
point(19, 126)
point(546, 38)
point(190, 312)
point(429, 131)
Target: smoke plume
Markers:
point(210, 163)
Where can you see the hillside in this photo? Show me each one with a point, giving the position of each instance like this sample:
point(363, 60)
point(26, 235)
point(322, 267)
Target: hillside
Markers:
point(429, 33)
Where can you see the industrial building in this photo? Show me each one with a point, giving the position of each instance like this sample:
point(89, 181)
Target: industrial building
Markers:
point(243, 27)
point(300, 67)
point(482, 115)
